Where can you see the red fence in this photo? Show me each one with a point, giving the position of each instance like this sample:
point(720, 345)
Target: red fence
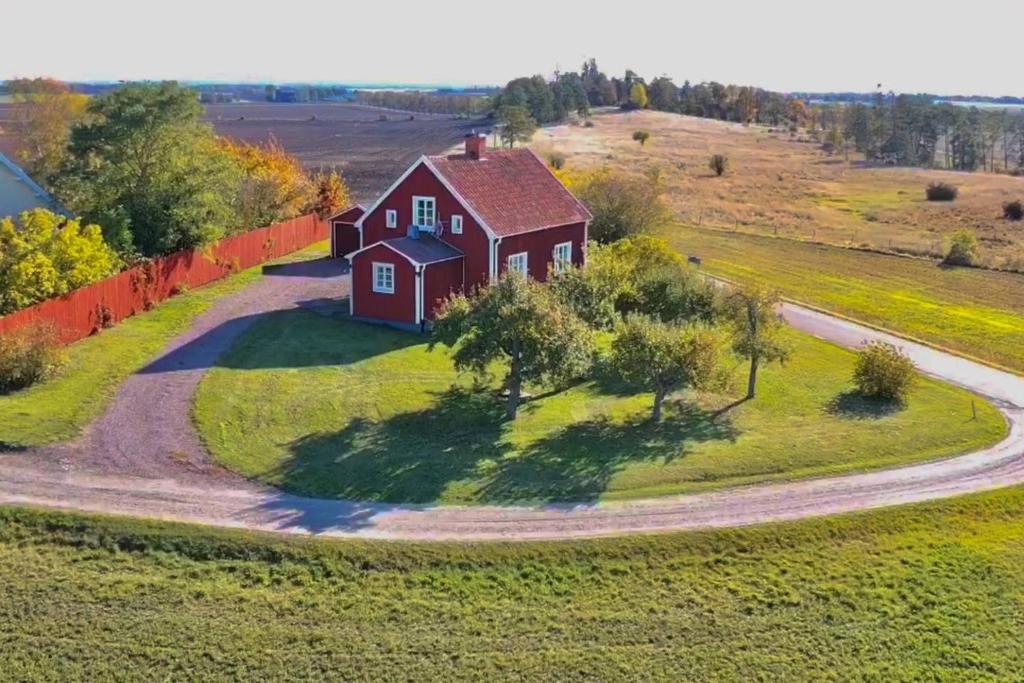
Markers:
point(84, 311)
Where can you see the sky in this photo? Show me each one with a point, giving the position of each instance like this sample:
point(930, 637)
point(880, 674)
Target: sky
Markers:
point(906, 45)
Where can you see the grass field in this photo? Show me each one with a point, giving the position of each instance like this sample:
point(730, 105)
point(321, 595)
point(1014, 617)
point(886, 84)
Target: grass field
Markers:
point(338, 409)
point(976, 312)
point(780, 185)
point(925, 592)
point(58, 409)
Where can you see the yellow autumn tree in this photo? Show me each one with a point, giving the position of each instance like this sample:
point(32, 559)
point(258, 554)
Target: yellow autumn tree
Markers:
point(273, 185)
point(43, 254)
point(44, 112)
point(331, 193)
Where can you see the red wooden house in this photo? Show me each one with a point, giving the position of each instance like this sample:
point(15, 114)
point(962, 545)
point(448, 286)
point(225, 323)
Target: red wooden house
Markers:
point(450, 223)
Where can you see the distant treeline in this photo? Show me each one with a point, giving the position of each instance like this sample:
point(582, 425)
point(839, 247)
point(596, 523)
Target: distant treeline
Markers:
point(430, 102)
point(910, 130)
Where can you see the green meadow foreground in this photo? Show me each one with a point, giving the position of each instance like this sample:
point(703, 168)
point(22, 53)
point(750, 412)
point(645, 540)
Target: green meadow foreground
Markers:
point(924, 592)
point(975, 312)
point(58, 409)
point(368, 413)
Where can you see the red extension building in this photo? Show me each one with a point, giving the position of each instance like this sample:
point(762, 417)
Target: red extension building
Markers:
point(450, 223)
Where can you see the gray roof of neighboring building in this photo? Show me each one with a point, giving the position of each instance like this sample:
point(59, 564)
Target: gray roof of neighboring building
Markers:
point(20, 193)
point(424, 249)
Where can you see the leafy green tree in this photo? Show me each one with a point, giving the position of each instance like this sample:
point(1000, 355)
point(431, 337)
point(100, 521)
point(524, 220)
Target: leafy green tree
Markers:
point(590, 293)
point(641, 136)
point(757, 330)
point(43, 255)
point(884, 372)
point(622, 204)
point(963, 249)
point(516, 125)
point(664, 358)
point(520, 323)
point(145, 164)
point(663, 94)
point(674, 292)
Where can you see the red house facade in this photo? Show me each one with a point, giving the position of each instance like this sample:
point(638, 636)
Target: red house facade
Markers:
point(450, 223)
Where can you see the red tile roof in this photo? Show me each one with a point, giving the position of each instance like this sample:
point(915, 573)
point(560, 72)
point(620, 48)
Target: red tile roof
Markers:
point(511, 190)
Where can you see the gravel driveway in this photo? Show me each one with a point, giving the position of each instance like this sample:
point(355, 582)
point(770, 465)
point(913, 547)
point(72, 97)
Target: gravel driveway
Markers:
point(143, 458)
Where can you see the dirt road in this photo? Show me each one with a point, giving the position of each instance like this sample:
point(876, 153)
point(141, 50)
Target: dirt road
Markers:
point(129, 463)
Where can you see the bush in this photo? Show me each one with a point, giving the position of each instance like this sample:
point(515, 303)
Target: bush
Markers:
point(1013, 211)
point(622, 205)
point(588, 124)
point(641, 136)
point(556, 160)
point(883, 372)
point(27, 356)
point(941, 192)
point(719, 163)
point(963, 249)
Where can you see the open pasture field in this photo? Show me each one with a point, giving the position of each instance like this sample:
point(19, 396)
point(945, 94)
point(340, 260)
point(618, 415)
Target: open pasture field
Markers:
point(778, 185)
point(923, 592)
point(369, 151)
point(969, 310)
point(368, 413)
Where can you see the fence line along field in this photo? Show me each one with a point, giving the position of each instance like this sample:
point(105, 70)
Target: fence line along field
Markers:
point(784, 184)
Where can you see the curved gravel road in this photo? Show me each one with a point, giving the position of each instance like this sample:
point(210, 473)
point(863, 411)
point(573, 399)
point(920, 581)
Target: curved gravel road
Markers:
point(143, 458)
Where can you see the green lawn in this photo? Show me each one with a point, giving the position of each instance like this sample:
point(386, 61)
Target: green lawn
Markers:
point(58, 409)
point(977, 312)
point(927, 592)
point(333, 408)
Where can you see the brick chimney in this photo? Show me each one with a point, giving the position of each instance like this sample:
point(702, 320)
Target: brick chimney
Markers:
point(476, 145)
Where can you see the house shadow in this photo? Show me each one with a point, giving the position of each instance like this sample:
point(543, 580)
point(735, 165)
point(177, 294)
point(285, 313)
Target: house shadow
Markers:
point(853, 405)
point(314, 268)
point(461, 441)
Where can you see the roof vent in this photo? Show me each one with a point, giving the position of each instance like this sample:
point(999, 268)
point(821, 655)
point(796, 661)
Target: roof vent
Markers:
point(413, 232)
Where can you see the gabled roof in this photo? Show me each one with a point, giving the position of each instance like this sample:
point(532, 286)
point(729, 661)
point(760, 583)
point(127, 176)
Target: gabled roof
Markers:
point(421, 251)
point(510, 191)
point(20, 193)
point(349, 214)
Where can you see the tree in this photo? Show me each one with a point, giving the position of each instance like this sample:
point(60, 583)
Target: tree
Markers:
point(44, 112)
point(638, 96)
point(664, 358)
point(963, 249)
point(884, 372)
point(331, 193)
point(622, 205)
point(673, 292)
point(719, 164)
point(663, 94)
point(518, 322)
point(273, 187)
point(641, 136)
point(145, 167)
point(590, 293)
point(44, 254)
point(516, 125)
point(756, 330)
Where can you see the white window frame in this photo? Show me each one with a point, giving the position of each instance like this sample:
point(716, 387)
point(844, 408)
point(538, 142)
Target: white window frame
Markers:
point(562, 264)
point(378, 268)
point(432, 203)
point(456, 224)
point(390, 218)
point(525, 270)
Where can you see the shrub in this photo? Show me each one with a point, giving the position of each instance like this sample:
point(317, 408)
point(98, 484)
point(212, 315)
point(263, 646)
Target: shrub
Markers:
point(556, 160)
point(622, 205)
point(27, 356)
point(963, 249)
point(719, 163)
point(588, 124)
point(883, 372)
point(1013, 211)
point(941, 192)
point(641, 136)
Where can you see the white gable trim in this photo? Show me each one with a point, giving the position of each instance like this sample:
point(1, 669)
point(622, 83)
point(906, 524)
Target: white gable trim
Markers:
point(394, 186)
point(383, 243)
point(334, 216)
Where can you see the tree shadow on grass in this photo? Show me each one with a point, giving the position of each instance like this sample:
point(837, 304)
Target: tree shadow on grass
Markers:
point(853, 405)
point(417, 457)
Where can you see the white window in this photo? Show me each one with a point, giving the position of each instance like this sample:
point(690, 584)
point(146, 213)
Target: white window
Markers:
point(563, 257)
point(423, 211)
point(391, 218)
point(517, 262)
point(384, 278)
point(456, 224)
